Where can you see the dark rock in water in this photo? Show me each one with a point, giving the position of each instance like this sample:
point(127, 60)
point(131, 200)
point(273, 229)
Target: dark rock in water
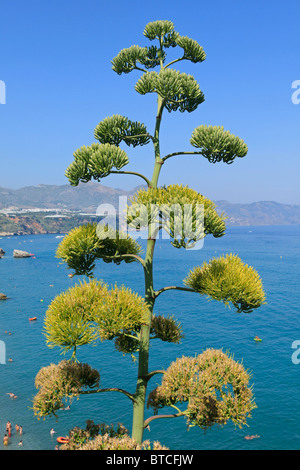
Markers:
point(21, 254)
point(2, 252)
point(3, 296)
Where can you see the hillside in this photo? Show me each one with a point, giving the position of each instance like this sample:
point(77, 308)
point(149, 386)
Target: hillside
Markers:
point(260, 213)
point(31, 223)
point(85, 198)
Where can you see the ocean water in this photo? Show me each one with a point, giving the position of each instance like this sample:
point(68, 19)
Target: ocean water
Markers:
point(32, 283)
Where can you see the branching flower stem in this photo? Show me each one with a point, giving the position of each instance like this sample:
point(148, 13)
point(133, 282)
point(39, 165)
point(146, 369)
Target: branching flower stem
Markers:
point(132, 173)
point(127, 255)
point(174, 61)
point(126, 137)
point(139, 68)
point(151, 374)
point(111, 389)
point(143, 374)
point(180, 153)
point(163, 289)
point(175, 415)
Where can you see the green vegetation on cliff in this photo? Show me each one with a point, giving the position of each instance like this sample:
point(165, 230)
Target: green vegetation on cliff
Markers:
point(31, 223)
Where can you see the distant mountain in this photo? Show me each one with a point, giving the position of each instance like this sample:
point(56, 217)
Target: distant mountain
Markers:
point(86, 197)
point(260, 213)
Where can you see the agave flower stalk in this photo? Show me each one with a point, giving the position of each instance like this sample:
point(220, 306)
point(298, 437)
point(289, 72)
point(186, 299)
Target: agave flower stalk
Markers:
point(92, 311)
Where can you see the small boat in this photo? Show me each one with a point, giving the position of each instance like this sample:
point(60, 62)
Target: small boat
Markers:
point(33, 318)
point(62, 440)
point(257, 339)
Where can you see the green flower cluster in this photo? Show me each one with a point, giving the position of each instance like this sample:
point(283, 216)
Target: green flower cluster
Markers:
point(95, 161)
point(217, 144)
point(161, 29)
point(179, 90)
point(192, 50)
point(129, 58)
point(117, 128)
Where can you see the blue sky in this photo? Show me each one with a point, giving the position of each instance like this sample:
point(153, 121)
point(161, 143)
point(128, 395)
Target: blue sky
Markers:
point(55, 62)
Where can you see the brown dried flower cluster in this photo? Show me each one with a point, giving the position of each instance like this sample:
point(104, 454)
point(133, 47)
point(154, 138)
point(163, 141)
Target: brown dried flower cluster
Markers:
point(59, 381)
point(105, 437)
point(164, 328)
point(106, 442)
point(215, 387)
point(78, 437)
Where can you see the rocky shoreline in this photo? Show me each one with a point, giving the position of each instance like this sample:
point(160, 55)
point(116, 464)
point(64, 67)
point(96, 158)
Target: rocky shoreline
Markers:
point(39, 223)
point(9, 234)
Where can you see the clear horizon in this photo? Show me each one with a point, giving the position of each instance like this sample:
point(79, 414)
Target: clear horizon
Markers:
point(56, 67)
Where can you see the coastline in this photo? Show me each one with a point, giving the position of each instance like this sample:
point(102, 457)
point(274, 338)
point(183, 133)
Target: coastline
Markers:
point(64, 232)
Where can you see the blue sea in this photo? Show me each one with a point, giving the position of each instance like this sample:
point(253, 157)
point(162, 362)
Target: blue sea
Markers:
point(32, 283)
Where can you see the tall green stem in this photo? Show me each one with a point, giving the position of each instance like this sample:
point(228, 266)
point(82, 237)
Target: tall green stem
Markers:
point(141, 387)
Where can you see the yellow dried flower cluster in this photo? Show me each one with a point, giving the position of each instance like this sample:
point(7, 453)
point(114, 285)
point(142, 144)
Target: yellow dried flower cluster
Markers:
point(187, 216)
point(228, 279)
point(84, 244)
point(215, 387)
point(90, 311)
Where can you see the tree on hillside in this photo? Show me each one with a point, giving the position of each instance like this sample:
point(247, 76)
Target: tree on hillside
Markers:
point(213, 386)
